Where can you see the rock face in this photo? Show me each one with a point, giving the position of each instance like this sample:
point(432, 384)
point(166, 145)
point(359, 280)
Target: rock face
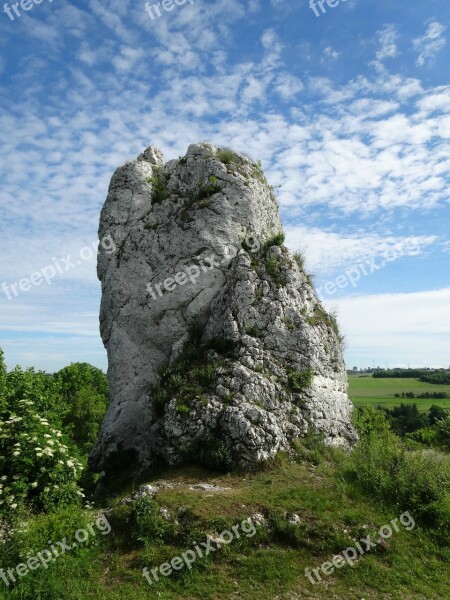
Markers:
point(217, 345)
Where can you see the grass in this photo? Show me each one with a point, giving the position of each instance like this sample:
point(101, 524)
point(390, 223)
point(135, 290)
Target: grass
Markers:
point(269, 565)
point(300, 260)
point(277, 240)
point(374, 391)
point(226, 155)
point(158, 189)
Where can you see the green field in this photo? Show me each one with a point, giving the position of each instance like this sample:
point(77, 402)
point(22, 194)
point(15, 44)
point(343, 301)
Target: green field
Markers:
point(370, 390)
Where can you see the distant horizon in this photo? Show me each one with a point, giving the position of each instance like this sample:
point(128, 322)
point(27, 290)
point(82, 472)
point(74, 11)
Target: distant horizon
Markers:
point(104, 367)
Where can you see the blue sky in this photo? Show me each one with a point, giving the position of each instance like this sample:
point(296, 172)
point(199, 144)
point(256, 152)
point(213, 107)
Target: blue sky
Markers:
point(349, 113)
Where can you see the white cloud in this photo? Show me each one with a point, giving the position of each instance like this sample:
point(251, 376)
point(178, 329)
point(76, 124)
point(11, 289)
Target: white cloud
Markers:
point(327, 252)
point(127, 58)
point(397, 328)
point(288, 86)
point(330, 53)
point(387, 39)
point(254, 6)
point(430, 44)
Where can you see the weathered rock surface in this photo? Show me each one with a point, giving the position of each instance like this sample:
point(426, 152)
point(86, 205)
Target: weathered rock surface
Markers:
point(210, 214)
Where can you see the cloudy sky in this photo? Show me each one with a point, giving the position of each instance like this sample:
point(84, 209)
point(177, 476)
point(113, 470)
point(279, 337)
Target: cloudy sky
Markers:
point(349, 112)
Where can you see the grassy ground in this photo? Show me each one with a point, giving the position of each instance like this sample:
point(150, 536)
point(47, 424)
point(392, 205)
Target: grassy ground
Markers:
point(373, 391)
point(269, 565)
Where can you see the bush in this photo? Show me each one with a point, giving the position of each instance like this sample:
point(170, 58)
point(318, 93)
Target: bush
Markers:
point(36, 469)
point(158, 189)
point(277, 240)
point(300, 380)
point(147, 524)
point(424, 437)
point(418, 481)
point(226, 155)
point(272, 264)
point(436, 413)
point(37, 386)
point(210, 189)
point(78, 376)
point(443, 433)
point(406, 418)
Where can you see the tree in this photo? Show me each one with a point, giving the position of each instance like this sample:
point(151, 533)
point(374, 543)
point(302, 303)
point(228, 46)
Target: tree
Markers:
point(406, 418)
point(436, 413)
point(85, 415)
point(85, 392)
point(78, 375)
point(443, 433)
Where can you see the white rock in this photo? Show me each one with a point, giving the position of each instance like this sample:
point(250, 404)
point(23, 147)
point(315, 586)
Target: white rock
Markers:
point(261, 300)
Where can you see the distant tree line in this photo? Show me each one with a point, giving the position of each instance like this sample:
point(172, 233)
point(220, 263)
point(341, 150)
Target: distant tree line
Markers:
point(425, 395)
point(440, 376)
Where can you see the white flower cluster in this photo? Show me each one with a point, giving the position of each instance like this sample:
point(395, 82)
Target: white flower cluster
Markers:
point(39, 444)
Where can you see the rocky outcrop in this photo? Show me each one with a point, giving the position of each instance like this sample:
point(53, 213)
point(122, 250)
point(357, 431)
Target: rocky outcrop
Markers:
point(218, 347)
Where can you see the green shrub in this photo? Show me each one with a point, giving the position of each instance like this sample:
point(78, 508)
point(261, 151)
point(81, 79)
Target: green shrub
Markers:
point(443, 433)
point(277, 240)
point(381, 464)
point(148, 526)
point(37, 471)
point(44, 390)
point(226, 155)
point(208, 190)
point(312, 448)
point(310, 279)
point(370, 421)
point(84, 418)
point(425, 437)
point(271, 265)
point(300, 380)
point(158, 189)
point(258, 172)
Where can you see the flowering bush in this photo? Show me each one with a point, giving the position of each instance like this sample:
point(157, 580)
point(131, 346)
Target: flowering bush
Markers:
point(35, 468)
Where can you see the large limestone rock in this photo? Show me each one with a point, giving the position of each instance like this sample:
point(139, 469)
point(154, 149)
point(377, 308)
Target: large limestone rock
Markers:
point(214, 334)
